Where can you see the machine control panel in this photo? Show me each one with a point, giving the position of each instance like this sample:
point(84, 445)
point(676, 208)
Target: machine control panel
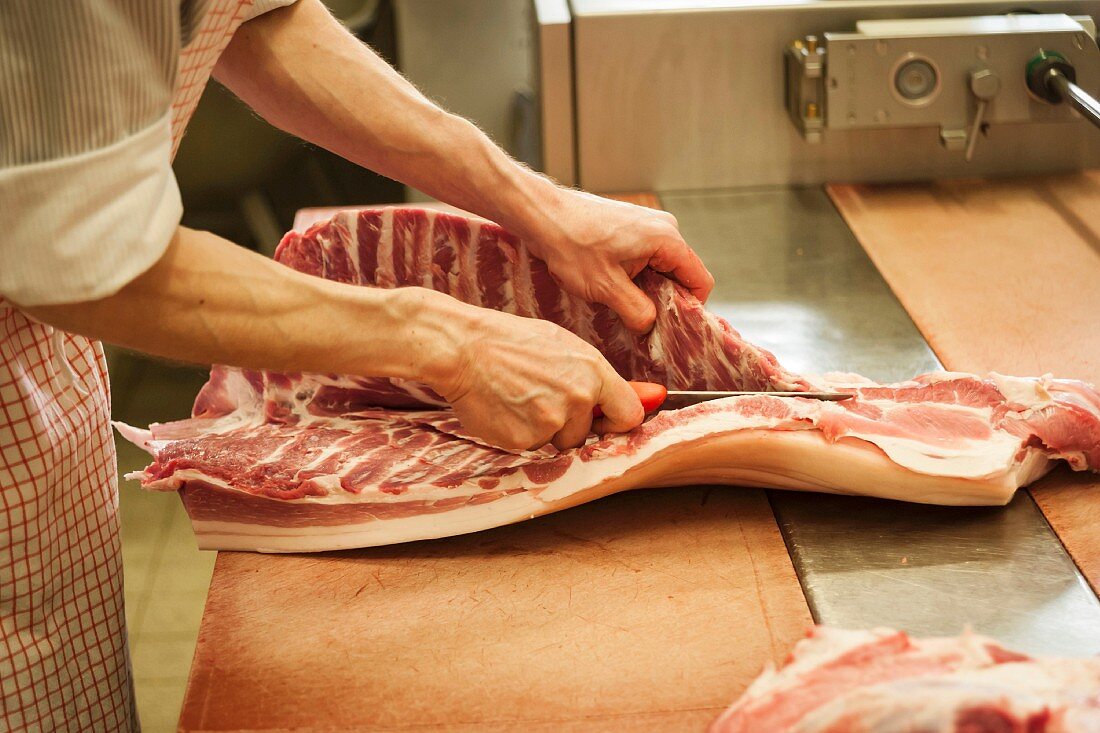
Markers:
point(957, 74)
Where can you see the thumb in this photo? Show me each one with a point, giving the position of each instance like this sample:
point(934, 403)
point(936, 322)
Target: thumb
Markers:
point(634, 307)
point(620, 404)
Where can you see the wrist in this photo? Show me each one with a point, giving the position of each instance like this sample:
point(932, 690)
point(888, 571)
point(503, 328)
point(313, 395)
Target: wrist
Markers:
point(523, 201)
point(432, 348)
point(536, 210)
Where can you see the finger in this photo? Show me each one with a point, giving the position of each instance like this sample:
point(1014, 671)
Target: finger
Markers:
point(575, 431)
point(676, 259)
point(622, 409)
point(634, 307)
point(505, 440)
point(546, 437)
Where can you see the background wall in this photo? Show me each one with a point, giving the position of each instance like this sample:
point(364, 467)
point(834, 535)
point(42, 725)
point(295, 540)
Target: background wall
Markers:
point(472, 57)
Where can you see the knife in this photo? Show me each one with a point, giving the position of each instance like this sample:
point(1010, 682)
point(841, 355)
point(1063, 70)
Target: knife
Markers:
point(656, 397)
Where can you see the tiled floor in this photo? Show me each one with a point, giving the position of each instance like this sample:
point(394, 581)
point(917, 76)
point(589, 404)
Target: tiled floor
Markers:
point(166, 576)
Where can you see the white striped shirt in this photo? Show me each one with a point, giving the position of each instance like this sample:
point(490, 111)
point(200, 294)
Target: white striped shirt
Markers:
point(88, 200)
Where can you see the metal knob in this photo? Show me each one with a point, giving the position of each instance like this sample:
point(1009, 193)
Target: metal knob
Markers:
point(985, 84)
point(1052, 78)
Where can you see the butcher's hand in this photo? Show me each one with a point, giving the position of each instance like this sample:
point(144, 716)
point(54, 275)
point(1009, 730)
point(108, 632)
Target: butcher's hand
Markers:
point(595, 247)
point(520, 383)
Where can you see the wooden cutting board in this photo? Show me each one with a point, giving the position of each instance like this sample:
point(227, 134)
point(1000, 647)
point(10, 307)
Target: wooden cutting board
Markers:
point(646, 611)
point(1000, 276)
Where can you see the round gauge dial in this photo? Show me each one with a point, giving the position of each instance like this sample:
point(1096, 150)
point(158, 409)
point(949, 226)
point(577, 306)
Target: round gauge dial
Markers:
point(916, 80)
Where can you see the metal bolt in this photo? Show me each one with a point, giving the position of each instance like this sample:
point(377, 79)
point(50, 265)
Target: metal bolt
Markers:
point(811, 44)
point(812, 110)
point(985, 84)
point(881, 47)
point(881, 116)
point(852, 49)
point(982, 52)
point(851, 116)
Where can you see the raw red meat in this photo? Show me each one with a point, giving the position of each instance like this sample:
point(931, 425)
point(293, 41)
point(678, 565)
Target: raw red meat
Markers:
point(883, 681)
point(292, 462)
point(480, 263)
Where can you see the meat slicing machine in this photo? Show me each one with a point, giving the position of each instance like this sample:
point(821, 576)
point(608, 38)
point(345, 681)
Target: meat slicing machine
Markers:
point(735, 113)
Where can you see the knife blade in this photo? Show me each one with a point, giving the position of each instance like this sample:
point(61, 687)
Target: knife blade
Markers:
point(656, 397)
point(676, 399)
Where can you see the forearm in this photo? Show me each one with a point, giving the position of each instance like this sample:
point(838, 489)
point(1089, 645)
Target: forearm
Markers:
point(303, 72)
point(208, 301)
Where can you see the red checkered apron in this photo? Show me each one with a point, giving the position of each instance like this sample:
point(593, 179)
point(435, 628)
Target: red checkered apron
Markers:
point(63, 658)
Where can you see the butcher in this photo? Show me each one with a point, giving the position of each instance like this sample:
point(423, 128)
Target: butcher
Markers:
point(94, 98)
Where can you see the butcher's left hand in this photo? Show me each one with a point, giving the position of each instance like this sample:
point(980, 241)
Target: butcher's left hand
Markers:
point(595, 246)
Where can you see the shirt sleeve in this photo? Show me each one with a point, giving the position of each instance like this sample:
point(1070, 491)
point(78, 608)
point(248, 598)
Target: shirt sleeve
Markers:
point(88, 200)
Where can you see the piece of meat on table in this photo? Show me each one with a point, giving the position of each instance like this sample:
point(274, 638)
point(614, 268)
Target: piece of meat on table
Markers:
point(303, 462)
point(883, 681)
point(480, 263)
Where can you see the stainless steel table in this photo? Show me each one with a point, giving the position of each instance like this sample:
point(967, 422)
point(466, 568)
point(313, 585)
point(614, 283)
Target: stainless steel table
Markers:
point(791, 277)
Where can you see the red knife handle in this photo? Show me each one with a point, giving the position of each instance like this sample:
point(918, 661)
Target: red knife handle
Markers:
point(652, 396)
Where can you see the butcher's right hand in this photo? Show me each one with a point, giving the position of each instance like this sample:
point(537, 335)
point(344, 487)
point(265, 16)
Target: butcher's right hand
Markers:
point(520, 383)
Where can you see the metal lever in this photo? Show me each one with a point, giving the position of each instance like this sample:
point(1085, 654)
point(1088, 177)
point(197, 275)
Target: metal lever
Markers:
point(984, 84)
point(1053, 79)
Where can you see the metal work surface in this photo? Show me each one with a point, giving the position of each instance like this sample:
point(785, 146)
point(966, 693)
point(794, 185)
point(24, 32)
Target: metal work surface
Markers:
point(930, 570)
point(791, 277)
